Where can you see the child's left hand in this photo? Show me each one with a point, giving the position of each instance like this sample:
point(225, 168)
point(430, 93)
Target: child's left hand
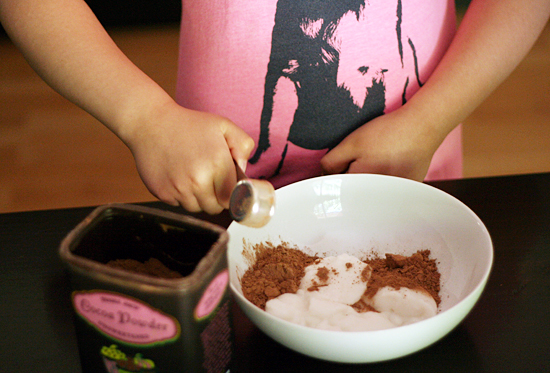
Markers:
point(397, 144)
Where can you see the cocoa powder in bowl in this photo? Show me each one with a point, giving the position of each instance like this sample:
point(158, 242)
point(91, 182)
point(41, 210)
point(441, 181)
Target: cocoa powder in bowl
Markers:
point(417, 272)
point(276, 270)
point(279, 269)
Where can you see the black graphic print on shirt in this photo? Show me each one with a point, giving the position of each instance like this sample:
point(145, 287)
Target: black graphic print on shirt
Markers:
point(304, 51)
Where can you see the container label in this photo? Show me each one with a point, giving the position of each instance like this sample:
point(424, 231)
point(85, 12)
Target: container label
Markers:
point(125, 319)
point(212, 295)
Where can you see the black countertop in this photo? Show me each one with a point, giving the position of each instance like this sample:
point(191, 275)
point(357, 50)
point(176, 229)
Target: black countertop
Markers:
point(507, 331)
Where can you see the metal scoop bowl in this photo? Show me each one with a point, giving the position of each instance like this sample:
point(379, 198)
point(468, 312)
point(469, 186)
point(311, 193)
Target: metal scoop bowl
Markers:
point(252, 201)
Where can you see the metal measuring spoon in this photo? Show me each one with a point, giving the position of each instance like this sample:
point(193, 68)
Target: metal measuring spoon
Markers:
point(252, 201)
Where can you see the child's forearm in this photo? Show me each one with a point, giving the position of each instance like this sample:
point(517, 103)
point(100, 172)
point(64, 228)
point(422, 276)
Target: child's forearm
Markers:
point(67, 46)
point(493, 38)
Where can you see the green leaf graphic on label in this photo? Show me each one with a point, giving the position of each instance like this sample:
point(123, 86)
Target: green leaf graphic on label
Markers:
point(116, 361)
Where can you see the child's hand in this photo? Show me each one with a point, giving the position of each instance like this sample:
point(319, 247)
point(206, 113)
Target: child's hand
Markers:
point(397, 144)
point(186, 157)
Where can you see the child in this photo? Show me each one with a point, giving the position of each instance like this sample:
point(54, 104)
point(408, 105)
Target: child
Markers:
point(295, 86)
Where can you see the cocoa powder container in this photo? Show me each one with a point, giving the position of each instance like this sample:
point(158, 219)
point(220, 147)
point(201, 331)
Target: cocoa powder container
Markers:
point(174, 318)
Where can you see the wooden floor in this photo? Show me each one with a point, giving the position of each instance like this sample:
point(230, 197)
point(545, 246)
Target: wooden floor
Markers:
point(54, 155)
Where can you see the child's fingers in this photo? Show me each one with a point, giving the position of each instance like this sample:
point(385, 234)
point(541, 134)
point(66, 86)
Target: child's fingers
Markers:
point(239, 143)
point(336, 161)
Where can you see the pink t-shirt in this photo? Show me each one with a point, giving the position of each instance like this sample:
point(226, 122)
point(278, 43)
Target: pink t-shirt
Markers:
point(300, 75)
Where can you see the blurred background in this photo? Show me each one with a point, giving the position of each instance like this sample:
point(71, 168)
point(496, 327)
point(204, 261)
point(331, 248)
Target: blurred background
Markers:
point(54, 155)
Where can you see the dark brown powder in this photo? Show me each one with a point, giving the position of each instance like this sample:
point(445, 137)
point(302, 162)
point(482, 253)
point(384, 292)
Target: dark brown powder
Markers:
point(151, 267)
point(322, 273)
point(417, 272)
point(279, 269)
point(361, 307)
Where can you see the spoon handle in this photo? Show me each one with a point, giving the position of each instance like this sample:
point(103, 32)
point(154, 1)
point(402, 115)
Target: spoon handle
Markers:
point(240, 173)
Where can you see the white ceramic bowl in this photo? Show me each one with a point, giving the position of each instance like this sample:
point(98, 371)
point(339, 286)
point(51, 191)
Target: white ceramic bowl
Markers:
point(358, 214)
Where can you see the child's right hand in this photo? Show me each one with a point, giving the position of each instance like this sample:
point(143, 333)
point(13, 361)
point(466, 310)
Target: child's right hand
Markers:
point(185, 157)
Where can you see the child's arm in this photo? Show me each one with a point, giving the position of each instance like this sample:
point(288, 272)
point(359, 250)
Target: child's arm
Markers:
point(493, 38)
point(184, 157)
